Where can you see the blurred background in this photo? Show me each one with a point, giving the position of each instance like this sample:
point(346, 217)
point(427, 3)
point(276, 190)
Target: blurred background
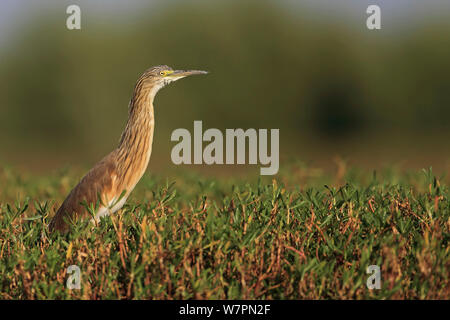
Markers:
point(336, 90)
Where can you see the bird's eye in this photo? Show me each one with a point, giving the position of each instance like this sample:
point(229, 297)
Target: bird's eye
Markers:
point(163, 73)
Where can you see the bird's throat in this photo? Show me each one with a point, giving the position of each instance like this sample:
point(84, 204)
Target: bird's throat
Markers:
point(134, 150)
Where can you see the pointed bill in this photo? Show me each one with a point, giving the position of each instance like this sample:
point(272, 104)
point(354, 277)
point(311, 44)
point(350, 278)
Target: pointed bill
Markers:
point(178, 74)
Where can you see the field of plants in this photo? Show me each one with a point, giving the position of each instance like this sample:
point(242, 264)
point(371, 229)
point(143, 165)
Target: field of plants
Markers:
point(303, 234)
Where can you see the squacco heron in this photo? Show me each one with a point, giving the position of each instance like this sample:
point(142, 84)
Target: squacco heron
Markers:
point(111, 180)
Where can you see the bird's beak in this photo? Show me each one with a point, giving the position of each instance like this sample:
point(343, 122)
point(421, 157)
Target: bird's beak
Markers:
point(178, 74)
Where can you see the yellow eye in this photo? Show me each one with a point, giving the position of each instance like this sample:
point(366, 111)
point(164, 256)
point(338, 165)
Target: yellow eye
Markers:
point(163, 73)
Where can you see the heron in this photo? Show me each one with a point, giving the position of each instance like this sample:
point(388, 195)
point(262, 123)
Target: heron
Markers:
point(108, 184)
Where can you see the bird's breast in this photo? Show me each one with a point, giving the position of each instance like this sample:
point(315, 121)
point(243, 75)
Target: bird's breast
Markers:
point(133, 161)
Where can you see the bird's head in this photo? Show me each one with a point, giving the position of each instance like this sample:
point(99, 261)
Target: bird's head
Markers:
point(157, 77)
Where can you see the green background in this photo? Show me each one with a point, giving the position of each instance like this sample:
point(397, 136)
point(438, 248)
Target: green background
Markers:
point(334, 89)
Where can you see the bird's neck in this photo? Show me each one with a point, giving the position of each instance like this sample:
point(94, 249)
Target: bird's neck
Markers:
point(135, 143)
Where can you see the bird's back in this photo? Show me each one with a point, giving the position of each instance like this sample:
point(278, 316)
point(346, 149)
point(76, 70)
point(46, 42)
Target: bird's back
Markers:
point(99, 181)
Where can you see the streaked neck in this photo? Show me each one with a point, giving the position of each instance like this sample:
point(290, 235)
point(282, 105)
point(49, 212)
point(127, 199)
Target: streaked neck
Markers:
point(136, 141)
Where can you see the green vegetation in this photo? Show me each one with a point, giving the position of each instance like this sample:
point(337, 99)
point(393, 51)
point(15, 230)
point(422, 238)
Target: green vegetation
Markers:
point(304, 234)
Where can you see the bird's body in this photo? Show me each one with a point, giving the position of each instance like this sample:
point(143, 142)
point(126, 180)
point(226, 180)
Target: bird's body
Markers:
point(110, 181)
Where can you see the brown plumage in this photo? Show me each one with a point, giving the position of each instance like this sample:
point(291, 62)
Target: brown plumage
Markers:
point(110, 181)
